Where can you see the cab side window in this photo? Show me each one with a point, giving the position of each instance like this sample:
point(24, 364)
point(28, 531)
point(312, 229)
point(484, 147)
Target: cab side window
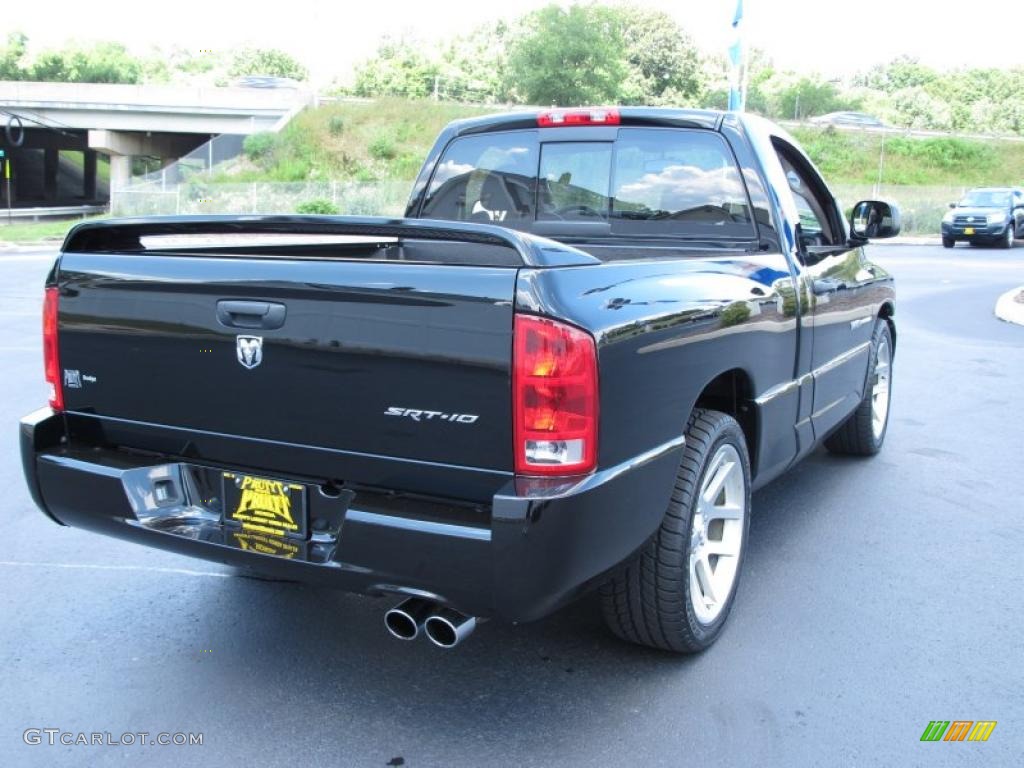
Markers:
point(819, 224)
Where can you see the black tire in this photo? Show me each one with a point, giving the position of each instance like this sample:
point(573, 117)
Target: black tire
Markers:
point(856, 436)
point(648, 600)
point(1008, 238)
point(948, 242)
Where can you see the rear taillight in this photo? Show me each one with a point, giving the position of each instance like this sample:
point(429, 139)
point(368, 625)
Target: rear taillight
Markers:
point(554, 390)
point(558, 118)
point(51, 361)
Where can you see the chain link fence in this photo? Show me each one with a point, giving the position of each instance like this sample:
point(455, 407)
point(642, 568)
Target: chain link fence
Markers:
point(197, 197)
point(922, 207)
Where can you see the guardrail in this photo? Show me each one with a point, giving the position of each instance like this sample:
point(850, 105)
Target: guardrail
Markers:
point(57, 212)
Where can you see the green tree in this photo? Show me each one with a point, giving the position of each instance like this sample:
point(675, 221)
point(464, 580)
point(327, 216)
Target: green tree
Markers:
point(51, 66)
point(664, 65)
point(916, 108)
point(195, 62)
point(762, 79)
point(474, 67)
point(11, 57)
point(902, 72)
point(266, 61)
point(1004, 116)
point(760, 73)
point(569, 56)
point(399, 68)
point(104, 62)
point(809, 96)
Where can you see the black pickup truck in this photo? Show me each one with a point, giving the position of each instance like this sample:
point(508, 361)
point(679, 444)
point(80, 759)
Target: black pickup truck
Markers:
point(592, 335)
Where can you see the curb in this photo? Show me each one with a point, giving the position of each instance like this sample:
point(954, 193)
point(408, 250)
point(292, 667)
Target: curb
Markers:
point(1009, 309)
point(911, 240)
point(21, 245)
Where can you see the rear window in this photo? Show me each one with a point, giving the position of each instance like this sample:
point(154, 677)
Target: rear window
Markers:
point(574, 181)
point(649, 181)
point(490, 178)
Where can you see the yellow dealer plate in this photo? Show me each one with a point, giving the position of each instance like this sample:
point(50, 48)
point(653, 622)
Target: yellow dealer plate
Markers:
point(264, 505)
point(968, 230)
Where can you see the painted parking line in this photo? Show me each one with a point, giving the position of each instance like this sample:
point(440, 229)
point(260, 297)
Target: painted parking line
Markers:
point(98, 567)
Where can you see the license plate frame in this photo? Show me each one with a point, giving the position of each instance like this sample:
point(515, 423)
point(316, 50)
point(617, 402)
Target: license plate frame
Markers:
point(265, 505)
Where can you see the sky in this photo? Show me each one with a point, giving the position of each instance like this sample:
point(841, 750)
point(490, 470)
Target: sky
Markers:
point(830, 37)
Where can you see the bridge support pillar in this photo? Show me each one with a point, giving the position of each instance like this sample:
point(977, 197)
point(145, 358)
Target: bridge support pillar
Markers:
point(123, 145)
point(120, 177)
point(51, 166)
point(89, 175)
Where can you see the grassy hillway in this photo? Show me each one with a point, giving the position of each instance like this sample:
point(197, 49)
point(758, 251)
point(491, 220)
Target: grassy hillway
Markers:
point(387, 140)
point(24, 232)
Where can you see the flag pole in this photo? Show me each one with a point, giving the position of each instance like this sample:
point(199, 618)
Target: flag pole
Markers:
point(737, 62)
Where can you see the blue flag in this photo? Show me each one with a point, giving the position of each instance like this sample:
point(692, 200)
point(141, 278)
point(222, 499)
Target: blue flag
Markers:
point(738, 16)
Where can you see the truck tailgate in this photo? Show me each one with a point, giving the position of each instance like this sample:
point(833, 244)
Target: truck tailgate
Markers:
point(395, 359)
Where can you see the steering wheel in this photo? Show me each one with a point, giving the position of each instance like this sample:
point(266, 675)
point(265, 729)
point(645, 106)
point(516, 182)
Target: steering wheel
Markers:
point(585, 210)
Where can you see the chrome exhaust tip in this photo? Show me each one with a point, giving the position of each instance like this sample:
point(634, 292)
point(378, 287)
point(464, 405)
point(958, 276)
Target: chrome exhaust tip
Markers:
point(447, 628)
point(405, 620)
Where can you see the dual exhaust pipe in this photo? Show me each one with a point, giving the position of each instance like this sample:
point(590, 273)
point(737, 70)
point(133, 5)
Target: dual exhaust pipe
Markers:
point(444, 627)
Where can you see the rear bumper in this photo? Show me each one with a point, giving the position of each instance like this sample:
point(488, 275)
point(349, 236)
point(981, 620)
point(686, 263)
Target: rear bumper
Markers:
point(538, 545)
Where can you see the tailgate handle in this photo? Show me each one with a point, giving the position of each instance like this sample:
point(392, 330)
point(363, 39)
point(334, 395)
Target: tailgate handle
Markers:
point(251, 314)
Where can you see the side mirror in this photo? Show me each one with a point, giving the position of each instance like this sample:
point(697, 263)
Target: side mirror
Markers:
point(875, 219)
point(952, 205)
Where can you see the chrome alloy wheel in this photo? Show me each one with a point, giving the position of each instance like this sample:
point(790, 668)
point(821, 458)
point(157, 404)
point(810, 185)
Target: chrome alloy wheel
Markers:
point(880, 388)
point(716, 534)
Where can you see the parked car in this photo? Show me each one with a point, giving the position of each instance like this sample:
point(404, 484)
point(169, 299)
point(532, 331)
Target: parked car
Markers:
point(855, 119)
point(592, 336)
point(985, 216)
point(266, 81)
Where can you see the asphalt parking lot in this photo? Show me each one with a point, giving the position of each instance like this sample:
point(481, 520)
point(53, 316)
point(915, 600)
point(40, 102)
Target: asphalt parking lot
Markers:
point(877, 595)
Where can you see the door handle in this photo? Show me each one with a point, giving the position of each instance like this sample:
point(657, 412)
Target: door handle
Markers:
point(267, 315)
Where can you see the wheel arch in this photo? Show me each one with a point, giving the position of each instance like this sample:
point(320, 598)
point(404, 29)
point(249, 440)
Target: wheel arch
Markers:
point(886, 312)
point(732, 392)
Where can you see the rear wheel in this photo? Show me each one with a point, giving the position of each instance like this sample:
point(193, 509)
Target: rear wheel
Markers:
point(863, 433)
point(677, 592)
point(948, 242)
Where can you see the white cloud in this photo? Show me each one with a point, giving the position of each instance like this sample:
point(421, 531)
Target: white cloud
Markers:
point(682, 187)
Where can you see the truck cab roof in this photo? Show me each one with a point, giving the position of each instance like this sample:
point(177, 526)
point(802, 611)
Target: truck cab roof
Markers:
point(630, 116)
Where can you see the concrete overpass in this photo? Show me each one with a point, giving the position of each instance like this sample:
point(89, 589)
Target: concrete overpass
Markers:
point(122, 122)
